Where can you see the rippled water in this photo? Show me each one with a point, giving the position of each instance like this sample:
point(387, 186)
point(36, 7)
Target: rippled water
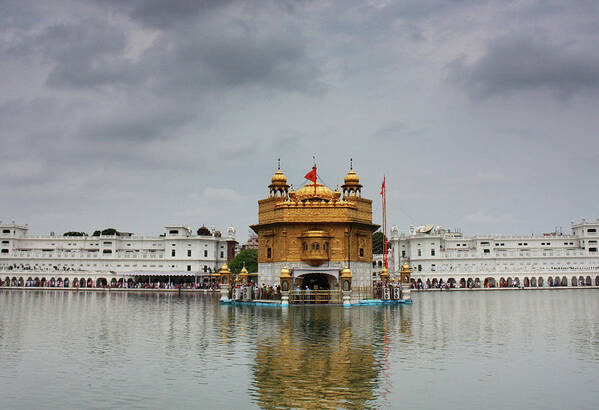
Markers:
point(515, 349)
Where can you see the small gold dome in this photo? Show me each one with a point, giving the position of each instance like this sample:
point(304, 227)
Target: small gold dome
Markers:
point(351, 178)
point(244, 271)
point(384, 273)
point(279, 178)
point(225, 269)
point(346, 272)
point(285, 272)
point(405, 267)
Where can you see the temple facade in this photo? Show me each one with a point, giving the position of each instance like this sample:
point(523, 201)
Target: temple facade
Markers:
point(314, 234)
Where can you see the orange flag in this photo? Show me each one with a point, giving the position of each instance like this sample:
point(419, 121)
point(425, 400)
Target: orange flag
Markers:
point(311, 175)
point(383, 187)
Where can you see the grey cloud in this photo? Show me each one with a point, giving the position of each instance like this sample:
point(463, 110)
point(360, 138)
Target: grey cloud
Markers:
point(85, 53)
point(163, 14)
point(525, 63)
point(222, 54)
point(135, 124)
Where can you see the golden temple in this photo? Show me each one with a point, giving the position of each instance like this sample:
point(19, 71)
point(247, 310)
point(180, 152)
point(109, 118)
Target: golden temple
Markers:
point(314, 233)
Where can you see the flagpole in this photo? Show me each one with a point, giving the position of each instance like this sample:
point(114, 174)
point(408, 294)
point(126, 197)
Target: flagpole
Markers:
point(384, 203)
point(315, 176)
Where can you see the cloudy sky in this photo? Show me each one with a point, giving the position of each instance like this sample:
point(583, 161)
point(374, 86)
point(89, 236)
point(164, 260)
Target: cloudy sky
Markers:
point(135, 114)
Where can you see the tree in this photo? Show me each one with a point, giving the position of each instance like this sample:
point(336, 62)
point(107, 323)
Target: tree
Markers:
point(73, 233)
point(247, 256)
point(377, 243)
point(107, 231)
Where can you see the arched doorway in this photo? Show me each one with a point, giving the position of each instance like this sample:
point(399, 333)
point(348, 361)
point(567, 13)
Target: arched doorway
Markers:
point(489, 283)
point(589, 282)
point(101, 282)
point(550, 281)
point(574, 281)
point(540, 282)
point(315, 281)
point(90, 283)
point(510, 283)
point(463, 283)
point(82, 282)
point(564, 281)
point(596, 280)
point(581, 281)
point(533, 282)
point(526, 282)
point(113, 283)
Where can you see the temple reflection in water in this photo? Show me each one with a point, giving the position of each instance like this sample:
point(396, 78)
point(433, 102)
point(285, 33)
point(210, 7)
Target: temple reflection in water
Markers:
point(324, 357)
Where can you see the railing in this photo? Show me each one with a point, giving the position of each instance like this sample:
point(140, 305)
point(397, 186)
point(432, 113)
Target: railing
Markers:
point(314, 296)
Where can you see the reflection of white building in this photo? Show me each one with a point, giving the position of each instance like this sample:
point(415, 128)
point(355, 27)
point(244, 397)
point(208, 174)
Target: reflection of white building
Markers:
point(178, 252)
point(436, 254)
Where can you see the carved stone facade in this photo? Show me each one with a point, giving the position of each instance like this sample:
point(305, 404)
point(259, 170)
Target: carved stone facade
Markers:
point(315, 232)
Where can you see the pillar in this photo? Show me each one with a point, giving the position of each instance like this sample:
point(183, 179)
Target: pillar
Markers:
point(225, 282)
point(285, 279)
point(346, 279)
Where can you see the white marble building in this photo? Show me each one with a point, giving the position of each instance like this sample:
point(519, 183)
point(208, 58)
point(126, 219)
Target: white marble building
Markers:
point(436, 254)
point(101, 259)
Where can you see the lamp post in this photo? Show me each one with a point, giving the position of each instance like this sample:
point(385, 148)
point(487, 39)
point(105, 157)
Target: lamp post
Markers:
point(346, 279)
point(225, 281)
point(285, 278)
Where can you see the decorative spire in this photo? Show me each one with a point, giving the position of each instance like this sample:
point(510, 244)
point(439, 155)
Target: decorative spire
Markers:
point(351, 163)
point(279, 163)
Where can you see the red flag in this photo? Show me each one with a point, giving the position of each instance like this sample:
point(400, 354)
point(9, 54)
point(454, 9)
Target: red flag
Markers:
point(383, 187)
point(311, 175)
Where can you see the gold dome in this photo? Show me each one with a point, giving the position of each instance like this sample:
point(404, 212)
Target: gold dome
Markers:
point(405, 267)
point(279, 178)
point(244, 271)
point(308, 192)
point(285, 272)
point(384, 273)
point(224, 270)
point(346, 272)
point(351, 178)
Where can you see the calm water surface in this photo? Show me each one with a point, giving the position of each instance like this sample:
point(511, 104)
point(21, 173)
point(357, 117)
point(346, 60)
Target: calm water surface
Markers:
point(515, 349)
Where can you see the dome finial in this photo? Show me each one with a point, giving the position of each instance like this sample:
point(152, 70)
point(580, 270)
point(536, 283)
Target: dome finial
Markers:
point(279, 163)
point(351, 163)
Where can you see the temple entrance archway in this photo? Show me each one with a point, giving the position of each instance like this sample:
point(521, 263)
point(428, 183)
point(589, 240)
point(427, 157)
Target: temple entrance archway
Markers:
point(315, 281)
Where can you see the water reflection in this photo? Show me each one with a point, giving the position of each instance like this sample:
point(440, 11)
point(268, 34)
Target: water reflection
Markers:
point(503, 349)
point(323, 357)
